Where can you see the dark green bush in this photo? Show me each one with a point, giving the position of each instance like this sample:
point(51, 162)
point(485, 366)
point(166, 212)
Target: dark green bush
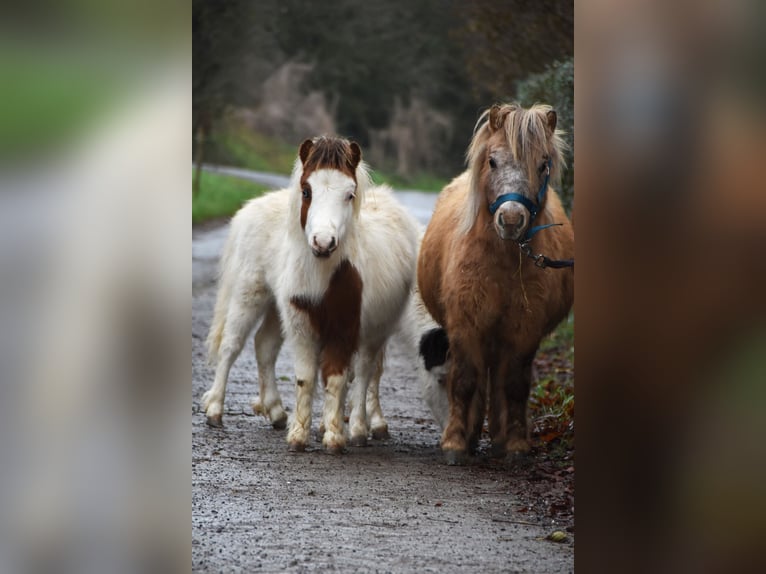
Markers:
point(555, 86)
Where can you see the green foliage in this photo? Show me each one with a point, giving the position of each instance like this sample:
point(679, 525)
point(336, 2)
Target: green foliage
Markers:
point(555, 86)
point(504, 42)
point(221, 196)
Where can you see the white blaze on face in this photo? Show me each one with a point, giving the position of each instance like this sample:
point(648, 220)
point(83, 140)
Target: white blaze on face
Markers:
point(331, 210)
point(511, 218)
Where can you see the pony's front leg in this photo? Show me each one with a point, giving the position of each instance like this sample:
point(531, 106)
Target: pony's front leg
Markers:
point(517, 396)
point(462, 386)
point(268, 342)
point(335, 388)
point(499, 410)
point(305, 377)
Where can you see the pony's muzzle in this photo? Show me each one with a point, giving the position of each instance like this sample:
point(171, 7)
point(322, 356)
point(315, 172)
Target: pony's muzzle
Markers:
point(511, 221)
point(323, 246)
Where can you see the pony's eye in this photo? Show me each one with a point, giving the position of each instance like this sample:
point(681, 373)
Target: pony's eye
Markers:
point(492, 163)
point(306, 193)
point(350, 196)
point(543, 166)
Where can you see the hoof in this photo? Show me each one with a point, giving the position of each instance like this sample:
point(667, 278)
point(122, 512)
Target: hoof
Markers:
point(296, 447)
point(358, 441)
point(280, 423)
point(334, 449)
point(380, 433)
point(455, 457)
point(214, 421)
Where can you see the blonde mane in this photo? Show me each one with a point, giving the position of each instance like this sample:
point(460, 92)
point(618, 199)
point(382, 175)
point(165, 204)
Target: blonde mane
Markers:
point(525, 134)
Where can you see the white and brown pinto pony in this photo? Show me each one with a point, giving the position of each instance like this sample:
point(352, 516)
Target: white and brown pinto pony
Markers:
point(328, 264)
point(488, 273)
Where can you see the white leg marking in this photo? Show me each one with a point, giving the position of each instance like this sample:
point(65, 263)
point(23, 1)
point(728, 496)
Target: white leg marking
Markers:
point(334, 438)
point(306, 360)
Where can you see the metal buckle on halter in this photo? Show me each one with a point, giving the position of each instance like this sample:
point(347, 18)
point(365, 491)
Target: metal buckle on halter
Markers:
point(538, 258)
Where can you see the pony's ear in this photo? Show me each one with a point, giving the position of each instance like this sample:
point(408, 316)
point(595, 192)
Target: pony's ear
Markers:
point(550, 121)
point(303, 153)
point(356, 154)
point(494, 122)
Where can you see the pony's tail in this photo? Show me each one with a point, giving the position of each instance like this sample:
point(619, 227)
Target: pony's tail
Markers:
point(223, 298)
point(215, 335)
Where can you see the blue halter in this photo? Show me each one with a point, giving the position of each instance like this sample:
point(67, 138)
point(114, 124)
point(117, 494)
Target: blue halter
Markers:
point(540, 260)
point(525, 201)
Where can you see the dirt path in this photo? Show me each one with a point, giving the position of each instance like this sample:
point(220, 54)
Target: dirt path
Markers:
point(389, 507)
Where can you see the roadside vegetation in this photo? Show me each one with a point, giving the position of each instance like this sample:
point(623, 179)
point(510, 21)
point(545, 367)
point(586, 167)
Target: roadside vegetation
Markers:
point(221, 196)
point(552, 399)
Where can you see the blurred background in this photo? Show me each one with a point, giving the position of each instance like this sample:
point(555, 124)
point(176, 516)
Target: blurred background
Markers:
point(407, 80)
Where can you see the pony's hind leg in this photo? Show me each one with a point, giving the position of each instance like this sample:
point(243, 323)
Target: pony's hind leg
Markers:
point(240, 319)
point(378, 424)
point(268, 342)
point(476, 413)
point(365, 384)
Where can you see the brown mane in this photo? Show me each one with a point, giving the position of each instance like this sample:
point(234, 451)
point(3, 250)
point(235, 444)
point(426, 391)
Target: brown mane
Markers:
point(326, 152)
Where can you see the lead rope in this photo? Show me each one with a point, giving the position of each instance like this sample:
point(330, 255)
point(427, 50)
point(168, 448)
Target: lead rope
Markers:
point(521, 282)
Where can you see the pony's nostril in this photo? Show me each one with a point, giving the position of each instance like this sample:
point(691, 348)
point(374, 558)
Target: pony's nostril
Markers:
point(332, 243)
point(500, 220)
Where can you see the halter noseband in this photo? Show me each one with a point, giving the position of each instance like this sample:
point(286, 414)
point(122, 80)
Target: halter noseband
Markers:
point(540, 259)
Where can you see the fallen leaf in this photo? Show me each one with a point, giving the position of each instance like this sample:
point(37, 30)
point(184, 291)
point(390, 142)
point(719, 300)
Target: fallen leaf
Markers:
point(557, 536)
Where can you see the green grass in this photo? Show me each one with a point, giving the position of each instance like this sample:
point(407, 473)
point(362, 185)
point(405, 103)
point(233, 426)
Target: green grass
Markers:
point(221, 196)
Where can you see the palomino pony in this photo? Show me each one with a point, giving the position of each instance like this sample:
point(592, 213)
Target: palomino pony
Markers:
point(493, 270)
point(327, 263)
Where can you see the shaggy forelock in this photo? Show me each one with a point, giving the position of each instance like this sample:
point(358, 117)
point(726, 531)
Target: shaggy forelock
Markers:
point(526, 137)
